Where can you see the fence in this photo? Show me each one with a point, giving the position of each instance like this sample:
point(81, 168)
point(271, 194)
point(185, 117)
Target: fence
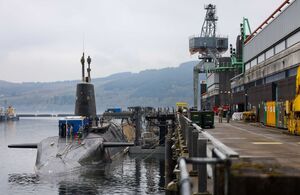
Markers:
point(199, 143)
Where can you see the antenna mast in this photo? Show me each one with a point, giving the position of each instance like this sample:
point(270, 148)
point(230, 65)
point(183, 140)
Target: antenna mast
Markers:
point(82, 63)
point(89, 60)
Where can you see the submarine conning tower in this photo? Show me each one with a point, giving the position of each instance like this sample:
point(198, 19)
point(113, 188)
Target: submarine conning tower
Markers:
point(85, 93)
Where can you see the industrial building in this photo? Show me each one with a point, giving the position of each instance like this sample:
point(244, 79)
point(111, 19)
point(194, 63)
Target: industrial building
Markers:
point(271, 55)
point(262, 66)
point(218, 87)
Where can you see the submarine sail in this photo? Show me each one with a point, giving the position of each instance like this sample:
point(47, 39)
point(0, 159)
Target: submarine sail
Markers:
point(85, 94)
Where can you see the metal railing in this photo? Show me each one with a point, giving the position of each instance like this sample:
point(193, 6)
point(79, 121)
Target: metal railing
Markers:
point(197, 141)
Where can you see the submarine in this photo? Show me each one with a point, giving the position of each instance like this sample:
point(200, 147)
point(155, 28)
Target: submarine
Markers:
point(83, 140)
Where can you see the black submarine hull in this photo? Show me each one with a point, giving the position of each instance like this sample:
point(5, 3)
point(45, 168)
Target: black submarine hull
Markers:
point(57, 155)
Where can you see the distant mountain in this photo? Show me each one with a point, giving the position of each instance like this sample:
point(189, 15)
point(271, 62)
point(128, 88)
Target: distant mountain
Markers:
point(157, 88)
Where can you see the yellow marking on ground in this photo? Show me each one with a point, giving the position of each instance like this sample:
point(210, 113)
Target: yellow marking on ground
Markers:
point(232, 138)
point(266, 143)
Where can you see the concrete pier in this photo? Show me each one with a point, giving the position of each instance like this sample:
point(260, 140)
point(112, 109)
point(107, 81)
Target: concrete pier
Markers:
point(268, 160)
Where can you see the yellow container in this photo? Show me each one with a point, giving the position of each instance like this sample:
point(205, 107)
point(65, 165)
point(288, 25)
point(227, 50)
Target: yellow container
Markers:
point(296, 104)
point(181, 105)
point(271, 113)
point(297, 128)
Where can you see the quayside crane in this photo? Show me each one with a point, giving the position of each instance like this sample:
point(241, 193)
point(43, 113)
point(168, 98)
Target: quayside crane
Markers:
point(208, 45)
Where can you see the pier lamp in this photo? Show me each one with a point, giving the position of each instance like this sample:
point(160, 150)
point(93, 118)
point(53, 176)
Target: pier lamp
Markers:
point(246, 101)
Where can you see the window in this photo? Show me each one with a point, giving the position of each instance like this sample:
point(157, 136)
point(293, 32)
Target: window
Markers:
point(280, 47)
point(247, 66)
point(292, 72)
point(270, 53)
point(293, 39)
point(254, 62)
point(220, 43)
point(275, 77)
point(261, 58)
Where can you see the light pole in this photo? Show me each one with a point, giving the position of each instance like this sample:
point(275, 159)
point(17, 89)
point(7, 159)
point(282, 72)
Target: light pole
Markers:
point(246, 101)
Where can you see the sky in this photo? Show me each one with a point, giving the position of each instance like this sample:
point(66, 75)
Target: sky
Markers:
point(42, 40)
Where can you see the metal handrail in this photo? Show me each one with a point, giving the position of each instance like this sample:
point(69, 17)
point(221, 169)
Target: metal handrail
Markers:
point(199, 35)
point(185, 185)
point(221, 154)
point(204, 160)
point(217, 143)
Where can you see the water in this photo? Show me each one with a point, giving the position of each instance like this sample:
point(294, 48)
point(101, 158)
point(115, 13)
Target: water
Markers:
point(128, 175)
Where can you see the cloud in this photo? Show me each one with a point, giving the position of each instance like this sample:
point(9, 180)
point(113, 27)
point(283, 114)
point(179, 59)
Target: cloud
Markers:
point(42, 40)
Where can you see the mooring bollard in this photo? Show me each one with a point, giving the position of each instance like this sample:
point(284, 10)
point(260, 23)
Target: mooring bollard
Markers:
point(195, 135)
point(202, 169)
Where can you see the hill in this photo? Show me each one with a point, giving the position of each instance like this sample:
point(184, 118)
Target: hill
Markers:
point(157, 88)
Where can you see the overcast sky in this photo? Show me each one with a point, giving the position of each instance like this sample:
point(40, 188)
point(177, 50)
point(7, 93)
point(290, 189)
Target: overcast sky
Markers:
point(43, 40)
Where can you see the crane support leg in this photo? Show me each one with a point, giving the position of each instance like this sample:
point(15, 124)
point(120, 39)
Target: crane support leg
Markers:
point(197, 69)
point(196, 87)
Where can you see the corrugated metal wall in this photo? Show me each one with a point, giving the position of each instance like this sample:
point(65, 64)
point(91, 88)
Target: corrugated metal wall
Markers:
point(287, 22)
point(212, 81)
point(260, 93)
point(238, 98)
point(210, 102)
point(287, 89)
point(263, 93)
point(225, 96)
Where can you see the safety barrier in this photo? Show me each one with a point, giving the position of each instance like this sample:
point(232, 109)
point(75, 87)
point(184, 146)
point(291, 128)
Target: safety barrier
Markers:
point(197, 142)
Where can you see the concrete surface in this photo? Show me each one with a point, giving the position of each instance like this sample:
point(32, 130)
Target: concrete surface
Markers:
point(269, 158)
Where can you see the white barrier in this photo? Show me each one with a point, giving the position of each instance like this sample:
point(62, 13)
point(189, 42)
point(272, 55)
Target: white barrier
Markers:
point(236, 116)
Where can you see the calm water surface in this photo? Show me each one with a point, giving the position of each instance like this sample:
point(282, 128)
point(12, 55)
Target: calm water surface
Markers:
point(128, 175)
